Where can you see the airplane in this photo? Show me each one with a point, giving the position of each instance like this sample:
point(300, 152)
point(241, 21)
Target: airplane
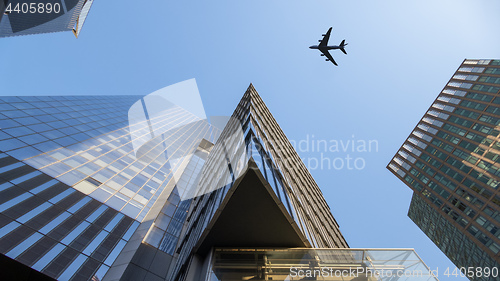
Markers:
point(324, 48)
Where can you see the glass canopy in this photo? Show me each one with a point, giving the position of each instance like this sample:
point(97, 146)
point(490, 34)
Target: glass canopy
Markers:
point(318, 264)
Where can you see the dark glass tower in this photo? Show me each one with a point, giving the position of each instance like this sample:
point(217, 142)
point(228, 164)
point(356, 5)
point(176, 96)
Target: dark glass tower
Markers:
point(32, 17)
point(451, 161)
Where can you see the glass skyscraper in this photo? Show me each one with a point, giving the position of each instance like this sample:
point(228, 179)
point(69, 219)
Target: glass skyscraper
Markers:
point(32, 17)
point(264, 195)
point(80, 174)
point(451, 161)
point(145, 188)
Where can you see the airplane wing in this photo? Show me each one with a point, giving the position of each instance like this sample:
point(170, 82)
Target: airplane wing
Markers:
point(327, 54)
point(326, 37)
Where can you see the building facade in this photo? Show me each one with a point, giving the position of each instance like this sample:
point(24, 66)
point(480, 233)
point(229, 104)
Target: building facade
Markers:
point(264, 196)
point(145, 188)
point(24, 18)
point(81, 177)
point(451, 161)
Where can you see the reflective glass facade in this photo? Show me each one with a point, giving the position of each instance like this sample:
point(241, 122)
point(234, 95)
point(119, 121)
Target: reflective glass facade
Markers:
point(81, 176)
point(169, 223)
point(47, 225)
point(451, 162)
point(24, 18)
point(253, 140)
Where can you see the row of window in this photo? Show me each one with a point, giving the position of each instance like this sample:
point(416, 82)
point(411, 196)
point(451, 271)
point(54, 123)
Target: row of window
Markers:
point(37, 212)
point(168, 225)
point(458, 247)
point(108, 163)
point(461, 206)
point(321, 218)
point(493, 70)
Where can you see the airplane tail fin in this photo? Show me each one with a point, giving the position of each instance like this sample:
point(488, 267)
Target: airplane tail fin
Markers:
point(342, 45)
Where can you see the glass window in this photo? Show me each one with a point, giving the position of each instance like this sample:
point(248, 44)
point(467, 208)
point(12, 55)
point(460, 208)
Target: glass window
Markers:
point(99, 275)
point(168, 244)
point(26, 177)
point(33, 139)
point(76, 231)
point(43, 128)
point(56, 169)
point(79, 205)
point(95, 242)
point(130, 231)
point(162, 221)
point(24, 153)
point(132, 209)
point(111, 225)
point(169, 209)
point(97, 213)
point(11, 167)
point(46, 146)
point(54, 134)
point(10, 144)
point(19, 249)
point(51, 255)
point(154, 237)
point(45, 118)
point(19, 131)
point(15, 201)
point(8, 228)
point(5, 186)
point(114, 254)
point(54, 223)
point(61, 195)
point(8, 123)
point(66, 141)
point(71, 177)
point(175, 227)
point(72, 268)
point(28, 216)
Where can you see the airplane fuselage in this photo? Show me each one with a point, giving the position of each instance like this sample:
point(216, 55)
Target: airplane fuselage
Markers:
point(334, 47)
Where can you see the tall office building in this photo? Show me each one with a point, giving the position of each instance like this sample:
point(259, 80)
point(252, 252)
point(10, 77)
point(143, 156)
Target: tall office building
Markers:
point(81, 175)
point(144, 188)
point(451, 161)
point(33, 17)
point(264, 196)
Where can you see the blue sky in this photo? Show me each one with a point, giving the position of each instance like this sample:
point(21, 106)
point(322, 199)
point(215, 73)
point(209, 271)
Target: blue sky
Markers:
point(400, 56)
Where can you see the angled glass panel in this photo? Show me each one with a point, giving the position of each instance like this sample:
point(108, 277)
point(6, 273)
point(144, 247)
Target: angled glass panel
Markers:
point(48, 257)
point(19, 249)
